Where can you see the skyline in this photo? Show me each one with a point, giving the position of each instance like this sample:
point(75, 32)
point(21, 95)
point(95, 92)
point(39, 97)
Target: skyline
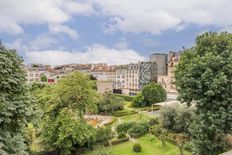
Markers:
point(91, 31)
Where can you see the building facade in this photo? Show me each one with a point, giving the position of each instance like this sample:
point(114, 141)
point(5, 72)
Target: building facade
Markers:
point(161, 60)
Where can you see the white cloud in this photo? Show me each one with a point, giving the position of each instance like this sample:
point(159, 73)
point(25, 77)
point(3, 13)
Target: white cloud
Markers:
point(121, 44)
point(156, 16)
point(93, 54)
point(14, 13)
point(63, 29)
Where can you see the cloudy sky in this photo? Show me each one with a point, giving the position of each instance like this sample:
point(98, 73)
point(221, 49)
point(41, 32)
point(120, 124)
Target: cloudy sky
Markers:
point(112, 31)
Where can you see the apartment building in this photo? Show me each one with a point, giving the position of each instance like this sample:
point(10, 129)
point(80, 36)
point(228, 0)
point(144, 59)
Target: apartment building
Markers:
point(35, 71)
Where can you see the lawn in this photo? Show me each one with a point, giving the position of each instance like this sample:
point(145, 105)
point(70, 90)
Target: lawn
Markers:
point(136, 117)
point(150, 146)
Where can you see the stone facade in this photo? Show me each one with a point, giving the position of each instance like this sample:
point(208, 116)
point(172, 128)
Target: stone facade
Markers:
point(167, 81)
point(161, 60)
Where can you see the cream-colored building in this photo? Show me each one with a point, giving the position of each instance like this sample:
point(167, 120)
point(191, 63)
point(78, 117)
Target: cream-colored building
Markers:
point(104, 86)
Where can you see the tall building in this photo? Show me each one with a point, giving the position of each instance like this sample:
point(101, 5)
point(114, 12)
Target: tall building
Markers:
point(161, 60)
point(148, 72)
point(167, 81)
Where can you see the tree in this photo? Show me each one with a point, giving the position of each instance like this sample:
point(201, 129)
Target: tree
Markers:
point(153, 93)
point(110, 102)
point(17, 108)
point(177, 118)
point(43, 78)
point(138, 101)
point(64, 127)
point(203, 78)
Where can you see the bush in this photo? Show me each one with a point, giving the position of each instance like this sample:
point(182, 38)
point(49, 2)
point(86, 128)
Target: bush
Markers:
point(124, 127)
point(124, 113)
point(138, 129)
point(110, 103)
point(125, 97)
point(153, 121)
point(139, 101)
point(153, 93)
point(137, 147)
point(118, 141)
point(121, 135)
point(103, 135)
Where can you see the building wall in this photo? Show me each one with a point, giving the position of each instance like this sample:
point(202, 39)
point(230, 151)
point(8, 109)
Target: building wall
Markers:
point(147, 73)
point(161, 60)
point(168, 81)
point(104, 86)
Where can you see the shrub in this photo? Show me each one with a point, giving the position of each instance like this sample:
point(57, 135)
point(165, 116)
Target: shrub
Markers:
point(121, 135)
point(153, 93)
point(118, 141)
point(125, 97)
point(110, 102)
point(153, 121)
point(124, 127)
point(138, 129)
point(137, 147)
point(139, 101)
point(124, 113)
point(103, 135)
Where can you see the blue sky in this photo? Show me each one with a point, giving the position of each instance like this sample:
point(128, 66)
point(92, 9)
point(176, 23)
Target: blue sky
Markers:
point(91, 31)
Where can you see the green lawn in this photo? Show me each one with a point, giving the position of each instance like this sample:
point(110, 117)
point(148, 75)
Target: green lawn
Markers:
point(136, 117)
point(150, 146)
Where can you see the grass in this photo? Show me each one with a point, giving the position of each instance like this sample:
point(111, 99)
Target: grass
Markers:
point(136, 117)
point(150, 146)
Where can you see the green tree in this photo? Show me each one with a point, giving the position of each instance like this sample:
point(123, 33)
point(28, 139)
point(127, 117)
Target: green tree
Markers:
point(138, 101)
point(110, 102)
point(153, 93)
point(203, 78)
point(64, 127)
point(176, 118)
point(16, 105)
point(43, 78)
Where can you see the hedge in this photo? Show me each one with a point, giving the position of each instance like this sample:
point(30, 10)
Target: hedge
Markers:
point(111, 122)
point(118, 141)
point(124, 113)
point(125, 97)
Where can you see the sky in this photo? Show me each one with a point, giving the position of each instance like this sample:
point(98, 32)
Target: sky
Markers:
point(108, 31)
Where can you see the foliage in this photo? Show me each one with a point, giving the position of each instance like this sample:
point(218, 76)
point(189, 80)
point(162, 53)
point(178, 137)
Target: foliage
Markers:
point(64, 126)
point(110, 102)
point(139, 101)
point(203, 77)
point(153, 121)
point(124, 127)
point(43, 78)
point(66, 130)
point(124, 112)
point(176, 118)
point(139, 129)
point(125, 97)
point(17, 107)
point(121, 135)
point(103, 135)
point(137, 147)
point(153, 93)
point(160, 133)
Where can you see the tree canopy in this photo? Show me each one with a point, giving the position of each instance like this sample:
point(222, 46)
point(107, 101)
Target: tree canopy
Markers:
point(64, 127)
point(16, 105)
point(203, 78)
point(153, 93)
